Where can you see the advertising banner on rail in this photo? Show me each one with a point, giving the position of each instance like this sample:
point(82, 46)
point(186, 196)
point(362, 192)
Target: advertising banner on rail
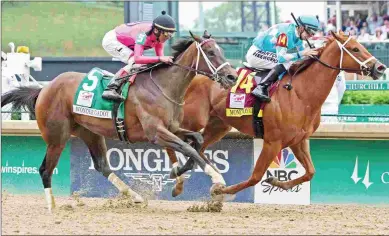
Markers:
point(284, 167)
point(350, 171)
point(21, 158)
point(146, 167)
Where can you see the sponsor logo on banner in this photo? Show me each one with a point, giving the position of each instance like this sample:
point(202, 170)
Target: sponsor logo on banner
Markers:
point(142, 164)
point(284, 167)
point(237, 100)
point(85, 98)
point(146, 167)
point(366, 179)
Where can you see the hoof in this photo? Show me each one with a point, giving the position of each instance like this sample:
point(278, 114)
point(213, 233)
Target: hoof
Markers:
point(271, 180)
point(173, 173)
point(135, 196)
point(177, 189)
point(218, 195)
point(138, 199)
point(217, 189)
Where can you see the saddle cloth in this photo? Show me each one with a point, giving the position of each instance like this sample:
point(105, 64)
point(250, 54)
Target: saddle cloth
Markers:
point(88, 100)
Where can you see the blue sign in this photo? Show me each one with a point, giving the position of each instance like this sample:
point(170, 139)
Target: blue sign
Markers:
point(146, 167)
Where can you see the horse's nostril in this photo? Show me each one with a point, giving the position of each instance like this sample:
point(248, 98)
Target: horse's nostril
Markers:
point(381, 68)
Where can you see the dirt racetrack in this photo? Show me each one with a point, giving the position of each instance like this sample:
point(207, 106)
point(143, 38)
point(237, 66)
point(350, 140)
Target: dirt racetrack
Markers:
point(23, 214)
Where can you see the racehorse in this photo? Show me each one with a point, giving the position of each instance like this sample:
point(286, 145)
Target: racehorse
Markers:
point(289, 119)
point(153, 111)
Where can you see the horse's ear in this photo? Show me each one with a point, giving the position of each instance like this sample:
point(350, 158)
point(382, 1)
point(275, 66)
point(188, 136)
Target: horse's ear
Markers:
point(206, 35)
point(195, 37)
point(335, 35)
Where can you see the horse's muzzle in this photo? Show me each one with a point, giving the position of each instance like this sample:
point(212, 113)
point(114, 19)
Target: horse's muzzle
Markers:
point(378, 70)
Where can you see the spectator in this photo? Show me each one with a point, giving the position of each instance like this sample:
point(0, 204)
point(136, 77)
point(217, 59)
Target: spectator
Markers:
point(374, 22)
point(365, 26)
point(385, 27)
point(379, 36)
point(363, 35)
point(352, 27)
point(330, 27)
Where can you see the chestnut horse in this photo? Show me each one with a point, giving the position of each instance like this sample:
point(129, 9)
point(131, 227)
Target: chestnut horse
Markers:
point(153, 111)
point(289, 119)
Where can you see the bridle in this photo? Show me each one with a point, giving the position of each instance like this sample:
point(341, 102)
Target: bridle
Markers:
point(214, 75)
point(363, 67)
point(211, 67)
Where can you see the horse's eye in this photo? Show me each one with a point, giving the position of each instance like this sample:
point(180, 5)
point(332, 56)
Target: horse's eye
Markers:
point(355, 49)
point(211, 53)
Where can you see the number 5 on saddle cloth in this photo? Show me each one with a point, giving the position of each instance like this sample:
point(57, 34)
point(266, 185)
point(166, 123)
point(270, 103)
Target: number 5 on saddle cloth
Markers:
point(88, 100)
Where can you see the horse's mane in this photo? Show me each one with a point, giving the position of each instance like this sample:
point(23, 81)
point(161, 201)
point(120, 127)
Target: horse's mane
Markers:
point(180, 46)
point(300, 66)
point(177, 48)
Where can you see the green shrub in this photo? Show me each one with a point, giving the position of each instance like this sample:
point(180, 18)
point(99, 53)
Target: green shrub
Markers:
point(366, 97)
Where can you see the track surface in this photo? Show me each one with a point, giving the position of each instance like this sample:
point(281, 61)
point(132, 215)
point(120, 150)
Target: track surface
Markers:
point(23, 214)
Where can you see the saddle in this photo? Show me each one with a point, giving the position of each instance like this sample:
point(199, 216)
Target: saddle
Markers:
point(241, 102)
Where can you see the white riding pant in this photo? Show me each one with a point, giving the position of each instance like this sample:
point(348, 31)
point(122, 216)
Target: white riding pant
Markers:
point(263, 60)
point(116, 48)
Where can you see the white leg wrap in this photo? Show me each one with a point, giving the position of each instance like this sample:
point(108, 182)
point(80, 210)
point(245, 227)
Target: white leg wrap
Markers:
point(49, 199)
point(124, 188)
point(216, 177)
point(118, 183)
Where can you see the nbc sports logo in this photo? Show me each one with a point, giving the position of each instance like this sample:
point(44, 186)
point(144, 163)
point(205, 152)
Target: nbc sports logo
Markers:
point(284, 159)
point(284, 167)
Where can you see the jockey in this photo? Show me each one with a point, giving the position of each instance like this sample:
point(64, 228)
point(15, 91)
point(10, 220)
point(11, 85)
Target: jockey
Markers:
point(270, 50)
point(127, 43)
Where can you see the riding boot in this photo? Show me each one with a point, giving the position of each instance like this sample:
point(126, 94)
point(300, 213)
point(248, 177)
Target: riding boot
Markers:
point(110, 92)
point(261, 91)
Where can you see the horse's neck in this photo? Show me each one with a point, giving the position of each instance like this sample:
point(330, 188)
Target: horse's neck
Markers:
point(318, 80)
point(175, 80)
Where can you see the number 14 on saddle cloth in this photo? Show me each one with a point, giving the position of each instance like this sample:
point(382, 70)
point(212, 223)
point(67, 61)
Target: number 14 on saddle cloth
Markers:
point(239, 101)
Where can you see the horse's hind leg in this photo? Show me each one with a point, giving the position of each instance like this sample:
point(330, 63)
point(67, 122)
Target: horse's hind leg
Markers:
point(301, 152)
point(46, 169)
point(55, 134)
point(98, 150)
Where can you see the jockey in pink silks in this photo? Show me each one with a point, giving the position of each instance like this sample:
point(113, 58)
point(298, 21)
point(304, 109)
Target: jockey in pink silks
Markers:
point(127, 42)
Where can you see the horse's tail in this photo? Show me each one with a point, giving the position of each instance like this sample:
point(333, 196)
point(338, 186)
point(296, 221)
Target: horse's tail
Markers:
point(21, 97)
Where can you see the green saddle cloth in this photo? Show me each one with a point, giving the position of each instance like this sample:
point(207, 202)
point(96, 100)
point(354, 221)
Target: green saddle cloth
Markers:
point(88, 100)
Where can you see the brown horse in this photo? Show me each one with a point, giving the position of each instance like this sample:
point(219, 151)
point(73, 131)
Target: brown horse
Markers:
point(289, 119)
point(153, 111)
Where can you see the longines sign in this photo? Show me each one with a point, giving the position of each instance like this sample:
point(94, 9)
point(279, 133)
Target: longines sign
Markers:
point(147, 167)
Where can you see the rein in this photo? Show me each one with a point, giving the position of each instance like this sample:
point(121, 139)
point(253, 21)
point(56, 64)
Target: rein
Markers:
point(211, 67)
point(163, 93)
point(363, 67)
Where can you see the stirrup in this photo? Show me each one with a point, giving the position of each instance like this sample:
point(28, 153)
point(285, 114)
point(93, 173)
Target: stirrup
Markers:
point(112, 95)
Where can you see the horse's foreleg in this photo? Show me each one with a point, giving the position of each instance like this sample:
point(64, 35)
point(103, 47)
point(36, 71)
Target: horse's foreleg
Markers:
point(179, 186)
point(98, 150)
point(167, 139)
point(301, 152)
point(269, 151)
point(214, 131)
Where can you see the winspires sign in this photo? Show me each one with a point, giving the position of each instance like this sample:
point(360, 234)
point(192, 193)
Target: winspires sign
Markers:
point(146, 167)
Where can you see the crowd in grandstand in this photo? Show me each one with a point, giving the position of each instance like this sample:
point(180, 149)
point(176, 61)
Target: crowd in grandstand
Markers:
point(371, 28)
